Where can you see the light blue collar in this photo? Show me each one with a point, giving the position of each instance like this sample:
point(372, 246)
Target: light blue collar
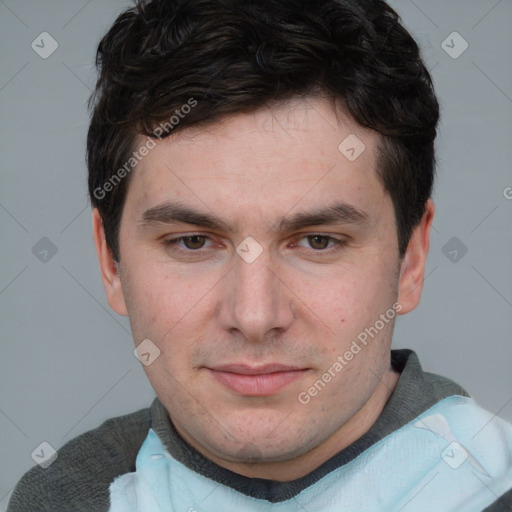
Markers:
point(454, 457)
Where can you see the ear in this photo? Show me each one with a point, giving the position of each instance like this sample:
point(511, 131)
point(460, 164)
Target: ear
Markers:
point(412, 269)
point(109, 271)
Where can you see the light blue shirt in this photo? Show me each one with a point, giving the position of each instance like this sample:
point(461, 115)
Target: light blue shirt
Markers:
point(455, 457)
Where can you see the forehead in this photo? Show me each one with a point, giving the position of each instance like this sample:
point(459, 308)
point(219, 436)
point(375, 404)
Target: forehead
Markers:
point(296, 155)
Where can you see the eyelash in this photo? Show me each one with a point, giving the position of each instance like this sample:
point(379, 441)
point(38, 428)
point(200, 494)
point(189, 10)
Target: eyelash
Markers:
point(173, 243)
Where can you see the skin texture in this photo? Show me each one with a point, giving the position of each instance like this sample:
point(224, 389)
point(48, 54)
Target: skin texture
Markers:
point(301, 302)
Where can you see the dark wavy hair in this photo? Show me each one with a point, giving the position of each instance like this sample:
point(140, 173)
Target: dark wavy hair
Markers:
point(233, 56)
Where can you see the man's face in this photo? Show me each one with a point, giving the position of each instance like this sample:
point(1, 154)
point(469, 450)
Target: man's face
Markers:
point(244, 336)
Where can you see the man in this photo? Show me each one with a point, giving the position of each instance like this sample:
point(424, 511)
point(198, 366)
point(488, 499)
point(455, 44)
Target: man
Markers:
point(260, 175)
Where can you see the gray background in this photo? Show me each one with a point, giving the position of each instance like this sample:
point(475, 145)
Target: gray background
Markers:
point(68, 362)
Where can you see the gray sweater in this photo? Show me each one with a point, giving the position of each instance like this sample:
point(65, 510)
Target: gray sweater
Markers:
point(79, 479)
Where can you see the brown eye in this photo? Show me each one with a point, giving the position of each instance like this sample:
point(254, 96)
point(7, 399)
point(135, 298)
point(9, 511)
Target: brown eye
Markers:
point(194, 241)
point(318, 241)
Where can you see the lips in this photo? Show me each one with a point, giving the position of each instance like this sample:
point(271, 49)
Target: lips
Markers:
point(256, 380)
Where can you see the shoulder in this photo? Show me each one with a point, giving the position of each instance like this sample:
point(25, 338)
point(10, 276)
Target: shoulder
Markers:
point(475, 442)
point(415, 392)
point(80, 476)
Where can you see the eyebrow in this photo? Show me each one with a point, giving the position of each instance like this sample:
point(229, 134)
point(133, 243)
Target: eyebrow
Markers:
point(176, 212)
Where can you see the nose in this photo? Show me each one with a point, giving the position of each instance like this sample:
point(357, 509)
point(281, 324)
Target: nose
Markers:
point(256, 304)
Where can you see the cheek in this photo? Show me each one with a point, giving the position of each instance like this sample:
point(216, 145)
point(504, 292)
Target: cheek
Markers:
point(153, 301)
point(154, 289)
point(353, 297)
point(171, 311)
point(357, 318)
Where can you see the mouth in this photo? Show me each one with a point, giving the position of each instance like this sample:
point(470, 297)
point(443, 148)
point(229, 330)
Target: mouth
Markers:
point(263, 380)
